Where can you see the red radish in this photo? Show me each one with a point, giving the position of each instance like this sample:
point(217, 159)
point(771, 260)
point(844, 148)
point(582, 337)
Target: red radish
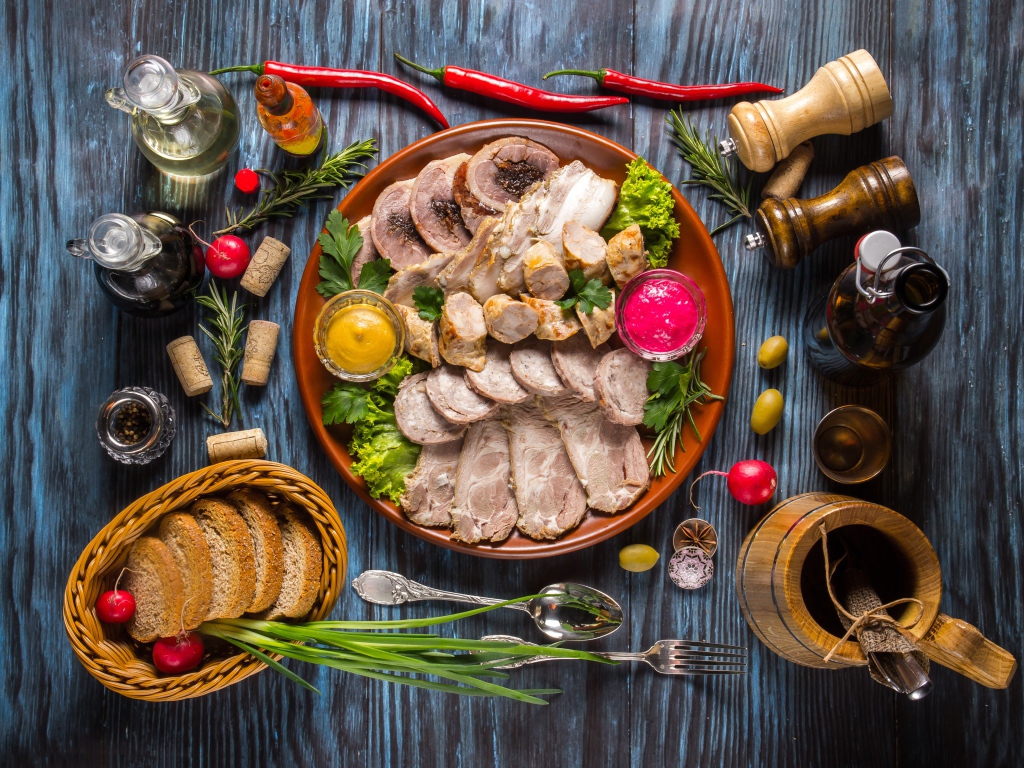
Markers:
point(750, 482)
point(115, 606)
point(174, 655)
point(247, 181)
point(227, 256)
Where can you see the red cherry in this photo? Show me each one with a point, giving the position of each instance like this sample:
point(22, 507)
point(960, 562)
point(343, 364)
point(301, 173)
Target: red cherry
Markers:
point(247, 181)
point(115, 606)
point(227, 256)
point(174, 655)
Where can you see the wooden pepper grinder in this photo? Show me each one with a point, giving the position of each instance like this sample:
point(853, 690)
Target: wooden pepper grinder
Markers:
point(880, 195)
point(844, 96)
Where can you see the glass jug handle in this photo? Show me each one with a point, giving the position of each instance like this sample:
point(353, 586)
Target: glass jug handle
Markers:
point(79, 247)
point(117, 98)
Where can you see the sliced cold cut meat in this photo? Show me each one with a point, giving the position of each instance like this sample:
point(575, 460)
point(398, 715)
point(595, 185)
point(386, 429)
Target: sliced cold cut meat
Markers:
point(401, 285)
point(500, 172)
point(420, 336)
point(392, 229)
point(544, 271)
point(496, 380)
point(555, 323)
point(430, 489)
point(485, 506)
point(416, 417)
point(621, 386)
point(473, 211)
point(533, 369)
point(550, 497)
point(463, 339)
point(584, 249)
point(609, 458)
point(368, 251)
point(457, 276)
point(599, 325)
point(576, 363)
point(435, 213)
point(625, 255)
point(509, 320)
point(452, 398)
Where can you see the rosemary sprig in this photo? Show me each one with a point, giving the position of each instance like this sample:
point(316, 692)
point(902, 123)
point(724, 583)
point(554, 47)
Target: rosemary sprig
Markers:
point(360, 647)
point(293, 189)
point(710, 169)
point(227, 319)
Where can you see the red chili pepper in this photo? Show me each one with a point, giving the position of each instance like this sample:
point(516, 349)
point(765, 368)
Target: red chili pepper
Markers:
point(618, 81)
point(524, 95)
point(325, 77)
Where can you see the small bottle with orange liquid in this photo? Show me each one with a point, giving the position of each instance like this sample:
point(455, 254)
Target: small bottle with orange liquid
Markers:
point(290, 117)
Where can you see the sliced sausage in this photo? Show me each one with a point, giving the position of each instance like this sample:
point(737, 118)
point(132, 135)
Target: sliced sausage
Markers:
point(496, 380)
point(367, 253)
point(417, 418)
point(463, 339)
point(452, 398)
point(392, 228)
point(576, 363)
point(420, 336)
point(435, 213)
point(621, 386)
point(500, 172)
point(599, 325)
point(509, 320)
point(625, 255)
point(584, 250)
point(556, 323)
point(544, 271)
point(473, 211)
point(533, 369)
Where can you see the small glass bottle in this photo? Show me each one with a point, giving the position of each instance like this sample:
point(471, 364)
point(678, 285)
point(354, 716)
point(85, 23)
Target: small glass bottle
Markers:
point(289, 115)
point(885, 313)
point(136, 425)
point(185, 122)
point(148, 264)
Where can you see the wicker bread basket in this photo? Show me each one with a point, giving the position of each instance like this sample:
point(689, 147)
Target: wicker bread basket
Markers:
point(109, 653)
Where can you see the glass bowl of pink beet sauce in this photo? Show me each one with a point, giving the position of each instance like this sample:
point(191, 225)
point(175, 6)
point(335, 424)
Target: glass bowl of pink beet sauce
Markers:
point(660, 314)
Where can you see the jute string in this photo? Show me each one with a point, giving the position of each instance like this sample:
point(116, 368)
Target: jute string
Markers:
point(877, 615)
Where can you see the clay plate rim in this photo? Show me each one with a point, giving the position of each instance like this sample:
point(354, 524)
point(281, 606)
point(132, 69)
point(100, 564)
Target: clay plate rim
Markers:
point(694, 254)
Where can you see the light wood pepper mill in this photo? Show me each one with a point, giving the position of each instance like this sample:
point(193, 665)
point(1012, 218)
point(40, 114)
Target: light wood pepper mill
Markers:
point(844, 96)
point(879, 195)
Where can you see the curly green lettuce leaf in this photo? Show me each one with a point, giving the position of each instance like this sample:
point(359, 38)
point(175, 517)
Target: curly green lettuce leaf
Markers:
point(646, 199)
point(385, 456)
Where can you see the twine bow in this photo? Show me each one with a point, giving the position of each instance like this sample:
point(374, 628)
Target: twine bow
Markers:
point(877, 615)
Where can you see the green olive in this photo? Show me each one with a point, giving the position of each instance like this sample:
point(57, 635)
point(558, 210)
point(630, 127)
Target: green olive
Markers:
point(767, 411)
point(638, 557)
point(772, 353)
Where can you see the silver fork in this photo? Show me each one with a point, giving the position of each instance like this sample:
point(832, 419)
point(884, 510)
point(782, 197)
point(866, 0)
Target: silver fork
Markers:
point(669, 657)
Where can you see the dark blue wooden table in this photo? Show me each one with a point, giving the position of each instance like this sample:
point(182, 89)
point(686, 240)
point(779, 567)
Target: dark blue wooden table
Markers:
point(65, 157)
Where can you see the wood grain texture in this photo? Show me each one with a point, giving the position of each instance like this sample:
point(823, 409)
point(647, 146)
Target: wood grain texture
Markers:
point(65, 157)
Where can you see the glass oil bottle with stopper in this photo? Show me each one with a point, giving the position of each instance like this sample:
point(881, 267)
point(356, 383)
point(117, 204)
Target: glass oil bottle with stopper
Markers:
point(148, 264)
point(136, 425)
point(289, 115)
point(885, 312)
point(185, 122)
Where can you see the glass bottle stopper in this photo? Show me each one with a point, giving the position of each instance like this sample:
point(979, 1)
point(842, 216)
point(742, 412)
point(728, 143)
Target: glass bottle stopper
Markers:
point(116, 242)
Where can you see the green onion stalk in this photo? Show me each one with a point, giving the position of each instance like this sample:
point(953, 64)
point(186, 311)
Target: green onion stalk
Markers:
point(366, 648)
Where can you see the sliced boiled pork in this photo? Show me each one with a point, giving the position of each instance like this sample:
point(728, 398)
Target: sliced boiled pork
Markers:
point(416, 417)
point(435, 213)
point(496, 380)
point(621, 386)
point(484, 507)
point(500, 172)
point(392, 229)
point(430, 489)
point(452, 398)
point(576, 363)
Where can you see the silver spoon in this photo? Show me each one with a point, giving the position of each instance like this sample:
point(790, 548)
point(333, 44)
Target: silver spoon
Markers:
point(563, 612)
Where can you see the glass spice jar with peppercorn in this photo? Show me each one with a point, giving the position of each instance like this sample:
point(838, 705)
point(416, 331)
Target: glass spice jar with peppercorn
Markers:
point(136, 425)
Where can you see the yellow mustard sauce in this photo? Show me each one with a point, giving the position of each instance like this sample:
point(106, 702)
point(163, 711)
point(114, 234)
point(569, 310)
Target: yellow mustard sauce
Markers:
point(360, 338)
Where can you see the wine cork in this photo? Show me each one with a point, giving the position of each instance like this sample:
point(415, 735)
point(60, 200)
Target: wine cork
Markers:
point(265, 266)
point(247, 444)
point(189, 365)
point(260, 346)
point(788, 175)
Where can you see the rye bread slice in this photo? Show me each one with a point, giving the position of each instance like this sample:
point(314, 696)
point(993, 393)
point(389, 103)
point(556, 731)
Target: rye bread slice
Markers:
point(156, 584)
point(233, 559)
point(187, 544)
point(303, 565)
point(266, 541)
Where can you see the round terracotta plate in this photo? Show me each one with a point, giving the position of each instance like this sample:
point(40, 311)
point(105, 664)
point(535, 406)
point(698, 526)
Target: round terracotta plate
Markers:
point(694, 254)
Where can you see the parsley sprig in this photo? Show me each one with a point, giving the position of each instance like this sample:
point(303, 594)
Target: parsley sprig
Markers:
point(674, 389)
point(339, 246)
point(429, 301)
point(588, 294)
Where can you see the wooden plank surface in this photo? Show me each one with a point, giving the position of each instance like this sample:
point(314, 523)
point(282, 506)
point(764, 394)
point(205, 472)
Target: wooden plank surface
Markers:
point(65, 157)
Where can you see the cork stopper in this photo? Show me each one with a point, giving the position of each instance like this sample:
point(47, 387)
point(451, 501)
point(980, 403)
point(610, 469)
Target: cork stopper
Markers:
point(189, 365)
point(788, 175)
point(265, 266)
point(260, 346)
point(247, 444)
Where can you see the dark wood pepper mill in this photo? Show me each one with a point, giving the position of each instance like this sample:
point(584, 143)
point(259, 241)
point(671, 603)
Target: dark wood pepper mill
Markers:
point(880, 195)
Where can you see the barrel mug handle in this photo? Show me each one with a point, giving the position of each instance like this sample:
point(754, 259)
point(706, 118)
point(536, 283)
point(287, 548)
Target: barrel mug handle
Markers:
point(961, 647)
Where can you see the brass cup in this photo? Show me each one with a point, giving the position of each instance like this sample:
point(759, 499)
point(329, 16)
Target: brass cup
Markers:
point(852, 444)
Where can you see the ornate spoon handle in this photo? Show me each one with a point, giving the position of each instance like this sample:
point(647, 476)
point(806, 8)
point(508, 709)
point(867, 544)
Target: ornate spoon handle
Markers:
point(387, 588)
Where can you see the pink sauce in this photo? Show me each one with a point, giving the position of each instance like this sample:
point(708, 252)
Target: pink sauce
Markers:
point(660, 315)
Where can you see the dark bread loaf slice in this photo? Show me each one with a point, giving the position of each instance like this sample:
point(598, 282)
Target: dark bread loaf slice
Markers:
point(233, 559)
point(156, 584)
point(303, 565)
point(266, 541)
point(187, 544)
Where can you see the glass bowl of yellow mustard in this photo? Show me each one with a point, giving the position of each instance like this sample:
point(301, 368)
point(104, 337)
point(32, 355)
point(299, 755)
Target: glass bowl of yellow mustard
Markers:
point(359, 335)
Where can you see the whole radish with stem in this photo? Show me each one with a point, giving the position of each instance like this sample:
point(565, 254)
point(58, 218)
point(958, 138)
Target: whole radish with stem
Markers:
point(116, 606)
point(180, 653)
point(750, 482)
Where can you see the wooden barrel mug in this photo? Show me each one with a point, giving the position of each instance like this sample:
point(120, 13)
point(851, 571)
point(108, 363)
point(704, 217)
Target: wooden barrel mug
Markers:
point(780, 581)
